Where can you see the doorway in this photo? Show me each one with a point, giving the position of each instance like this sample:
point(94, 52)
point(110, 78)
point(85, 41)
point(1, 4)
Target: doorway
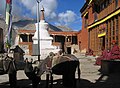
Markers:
point(102, 42)
point(69, 50)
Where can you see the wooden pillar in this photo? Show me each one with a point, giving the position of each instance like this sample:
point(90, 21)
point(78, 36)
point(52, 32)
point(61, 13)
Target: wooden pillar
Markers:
point(108, 30)
point(71, 40)
point(66, 39)
point(65, 44)
point(18, 38)
point(28, 37)
point(54, 38)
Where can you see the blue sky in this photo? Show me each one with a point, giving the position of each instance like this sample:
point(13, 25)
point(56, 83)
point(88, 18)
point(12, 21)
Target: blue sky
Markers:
point(57, 12)
point(72, 5)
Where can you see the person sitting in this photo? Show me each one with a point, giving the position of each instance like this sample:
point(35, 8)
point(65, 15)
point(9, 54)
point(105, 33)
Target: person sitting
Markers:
point(102, 57)
point(108, 55)
point(89, 52)
point(115, 51)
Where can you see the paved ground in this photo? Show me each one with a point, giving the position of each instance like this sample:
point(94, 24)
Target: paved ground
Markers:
point(90, 77)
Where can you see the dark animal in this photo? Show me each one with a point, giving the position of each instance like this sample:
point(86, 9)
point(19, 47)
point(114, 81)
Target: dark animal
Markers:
point(64, 65)
point(9, 67)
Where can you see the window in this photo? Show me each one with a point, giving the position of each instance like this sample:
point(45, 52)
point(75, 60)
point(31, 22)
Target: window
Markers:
point(69, 39)
point(117, 29)
point(95, 16)
point(102, 6)
point(95, 8)
point(24, 37)
point(107, 35)
point(74, 40)
point(30, 38)
point(106, 3)
point(86, 20)
point(117, 25)
point(113, 22)
point(116, 3)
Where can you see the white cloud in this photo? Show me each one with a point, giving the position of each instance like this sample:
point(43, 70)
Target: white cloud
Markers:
point(49, 6)
point(19, 7)
point(2, 7)
point(30, 5)
point(53, 15)
point(16, 9)
point(28, 8)
point(67, 17)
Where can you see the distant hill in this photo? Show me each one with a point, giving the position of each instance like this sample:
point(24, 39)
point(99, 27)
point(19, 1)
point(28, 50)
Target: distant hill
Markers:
point(24, 24)
point(53, 28)
point(29, 24)
point(64, 28)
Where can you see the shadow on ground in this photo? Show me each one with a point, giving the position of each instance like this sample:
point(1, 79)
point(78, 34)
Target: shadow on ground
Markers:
point(108, 81)
point(105, 81)
point(25, 83)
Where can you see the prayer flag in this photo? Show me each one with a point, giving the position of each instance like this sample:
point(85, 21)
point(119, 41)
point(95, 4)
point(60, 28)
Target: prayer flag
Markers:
point(8, 10)
point(9, 21)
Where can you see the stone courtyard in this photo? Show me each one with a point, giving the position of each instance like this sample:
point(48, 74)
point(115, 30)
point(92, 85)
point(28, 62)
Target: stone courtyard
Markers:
point(90, 77)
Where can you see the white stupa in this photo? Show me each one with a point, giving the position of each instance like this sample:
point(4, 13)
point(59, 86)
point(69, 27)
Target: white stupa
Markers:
point(45, 40)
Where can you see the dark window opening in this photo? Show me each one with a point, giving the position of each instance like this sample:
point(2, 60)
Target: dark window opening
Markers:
point(116, 3)
point(69, 39)
point(68, 50)
point(30, 38)
point(86, 16)
point(104, 4)
point(117, 31)
point(24, 37)
point(95, 17)
point(74, 40)
point(96, 8)
point(86, 20)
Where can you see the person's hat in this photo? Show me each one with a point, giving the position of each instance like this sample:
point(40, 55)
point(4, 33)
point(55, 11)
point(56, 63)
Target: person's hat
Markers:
point(113, 41)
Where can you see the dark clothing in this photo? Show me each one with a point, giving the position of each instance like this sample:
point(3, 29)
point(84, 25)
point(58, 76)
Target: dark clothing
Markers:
point(12, 80)
point(12, 72)
point(12, 67)
point(31, 74)
point(28, 67)
point(69, 76)
point(28, 70)
point(67, 70)
point(35, 80)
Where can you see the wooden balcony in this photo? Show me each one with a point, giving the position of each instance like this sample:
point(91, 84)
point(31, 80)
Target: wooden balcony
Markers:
point(109, 9)
point(56, 43)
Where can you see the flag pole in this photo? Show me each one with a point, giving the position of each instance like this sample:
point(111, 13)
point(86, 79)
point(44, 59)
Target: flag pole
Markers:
point(38, 15)
point(9, 39)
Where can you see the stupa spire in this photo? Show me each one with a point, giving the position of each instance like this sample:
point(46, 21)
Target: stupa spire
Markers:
point(42, 14)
